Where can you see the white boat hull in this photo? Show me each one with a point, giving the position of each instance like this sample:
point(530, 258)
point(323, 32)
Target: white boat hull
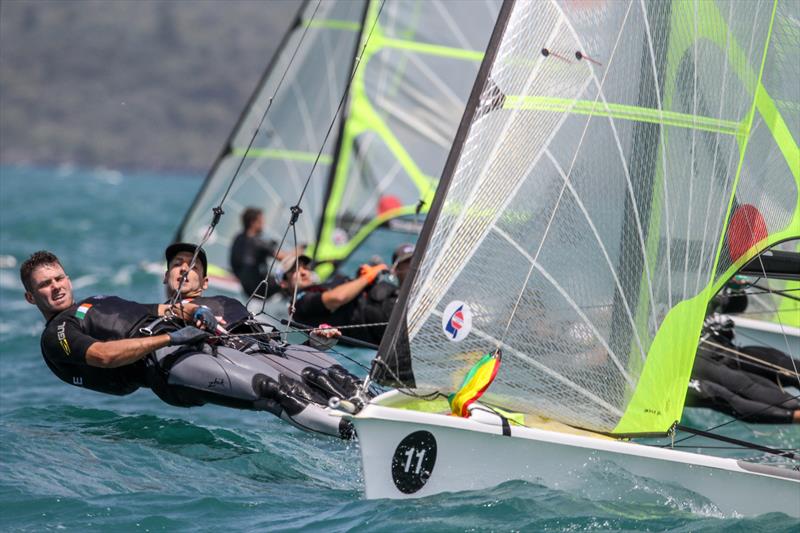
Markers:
point(410, 454)
point(784, 337)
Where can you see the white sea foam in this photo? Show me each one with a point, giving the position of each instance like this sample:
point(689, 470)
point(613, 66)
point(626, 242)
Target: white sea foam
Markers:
point(84, 281)
point(124, 275)
point(8, 261)
point(9, 279)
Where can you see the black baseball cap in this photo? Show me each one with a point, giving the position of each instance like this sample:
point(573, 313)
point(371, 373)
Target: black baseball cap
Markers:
point(402, 253)
point(178, 247)
point(288, 264)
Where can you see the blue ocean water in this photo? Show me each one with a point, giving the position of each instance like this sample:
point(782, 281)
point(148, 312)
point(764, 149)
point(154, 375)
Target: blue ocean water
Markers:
point(74, 460)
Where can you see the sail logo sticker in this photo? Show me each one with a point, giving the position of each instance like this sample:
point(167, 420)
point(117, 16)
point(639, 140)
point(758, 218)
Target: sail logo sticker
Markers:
point(457, 321)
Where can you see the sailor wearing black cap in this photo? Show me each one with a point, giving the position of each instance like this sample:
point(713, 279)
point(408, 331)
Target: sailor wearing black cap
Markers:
point(116, 346)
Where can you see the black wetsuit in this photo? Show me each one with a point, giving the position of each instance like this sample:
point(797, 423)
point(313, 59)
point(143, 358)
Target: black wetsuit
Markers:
point(371, 306)
point(377, 306)
point(68, 335)
point(248, 258)
point(717, 383)
point(292, 382)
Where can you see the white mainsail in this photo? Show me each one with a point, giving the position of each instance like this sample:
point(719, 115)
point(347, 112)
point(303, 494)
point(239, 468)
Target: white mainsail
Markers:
point(312, 67)
point(417, 60)
point(610, 180)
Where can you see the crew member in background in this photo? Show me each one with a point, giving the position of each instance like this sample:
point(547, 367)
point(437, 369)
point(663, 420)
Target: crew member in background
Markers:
point(340, 301)
point(383, 294)
point(745, 382)
point(250, 255)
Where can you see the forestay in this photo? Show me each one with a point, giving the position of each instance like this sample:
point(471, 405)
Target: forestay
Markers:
point(418, 60)
point(323, 41)
point(623, 159)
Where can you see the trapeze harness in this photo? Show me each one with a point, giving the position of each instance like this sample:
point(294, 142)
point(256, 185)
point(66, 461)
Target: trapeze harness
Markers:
point(294, 382)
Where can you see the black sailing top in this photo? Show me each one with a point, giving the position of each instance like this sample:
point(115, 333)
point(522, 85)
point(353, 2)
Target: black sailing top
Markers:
point(68, 335)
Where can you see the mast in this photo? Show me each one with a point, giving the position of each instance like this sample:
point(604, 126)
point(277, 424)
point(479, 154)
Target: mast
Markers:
point(227, 148)
point(559, 233)
point(392, 364)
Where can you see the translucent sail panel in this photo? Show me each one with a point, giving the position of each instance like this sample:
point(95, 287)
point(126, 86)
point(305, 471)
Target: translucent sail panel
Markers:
point(581, 226)
point(282, 155)
point(404, 107)
point(765, 206)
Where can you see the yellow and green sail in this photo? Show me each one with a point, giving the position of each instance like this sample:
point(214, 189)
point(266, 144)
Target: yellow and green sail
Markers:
point(388, 144)
point(597, 204)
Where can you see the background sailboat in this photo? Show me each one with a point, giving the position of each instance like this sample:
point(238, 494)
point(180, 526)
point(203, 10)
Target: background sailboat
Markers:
point(618, 162)
point(770, 287)
point(386, 149)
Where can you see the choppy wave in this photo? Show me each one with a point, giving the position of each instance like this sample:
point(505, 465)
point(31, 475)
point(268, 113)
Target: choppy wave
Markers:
point(80, 461)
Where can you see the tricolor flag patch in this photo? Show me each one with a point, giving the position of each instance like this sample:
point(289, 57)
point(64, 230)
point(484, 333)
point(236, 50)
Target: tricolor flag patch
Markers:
point(81, 311)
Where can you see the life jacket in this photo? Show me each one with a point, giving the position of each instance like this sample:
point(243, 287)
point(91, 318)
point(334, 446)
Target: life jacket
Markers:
point(232, 310)
point(379, 300)
point(105, 318)
point(112, 318)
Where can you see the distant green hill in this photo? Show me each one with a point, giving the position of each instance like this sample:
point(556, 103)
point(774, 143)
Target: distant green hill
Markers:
point(130, 84)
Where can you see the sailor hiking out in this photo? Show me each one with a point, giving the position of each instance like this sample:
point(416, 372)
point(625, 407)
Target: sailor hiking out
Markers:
point(115, 346)
point(747, 382)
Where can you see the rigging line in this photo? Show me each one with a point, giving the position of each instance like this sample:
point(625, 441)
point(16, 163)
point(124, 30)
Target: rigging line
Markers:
point(732, 420)
point(733, 353)
point(217, 211)
point(343, 99)
point(745, 444)
point(756, 340)
point(296, 270)
point(271, 100)
point(305, 332)
point(302, 330)
point(760, 258)
point(732, 448)
point(296, 208)
point(781, 292)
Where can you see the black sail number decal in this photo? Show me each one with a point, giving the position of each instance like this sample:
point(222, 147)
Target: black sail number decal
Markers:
point(413, 461)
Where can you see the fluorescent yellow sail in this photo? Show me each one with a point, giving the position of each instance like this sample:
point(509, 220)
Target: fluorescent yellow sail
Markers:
point(620, 162)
